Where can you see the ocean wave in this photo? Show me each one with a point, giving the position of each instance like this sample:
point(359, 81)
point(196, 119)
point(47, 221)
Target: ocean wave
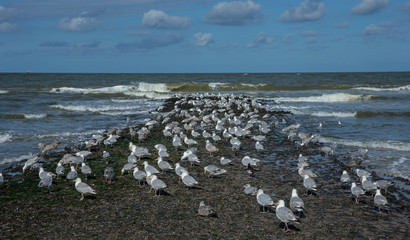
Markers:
point(149, 95)
point(17, 159)
point(4, 91)
point(5, 137)
point(23, 115)
point(334, 114)
point(66, 134)
point(379, 89)
point(106, 90)
point(85, 108)
point(392, 145)
point(335, 97)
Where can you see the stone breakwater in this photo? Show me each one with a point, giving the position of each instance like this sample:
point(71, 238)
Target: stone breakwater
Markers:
point(124, 209)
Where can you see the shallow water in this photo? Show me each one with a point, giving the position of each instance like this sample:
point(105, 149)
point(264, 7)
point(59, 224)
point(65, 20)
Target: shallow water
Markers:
point(373, 108)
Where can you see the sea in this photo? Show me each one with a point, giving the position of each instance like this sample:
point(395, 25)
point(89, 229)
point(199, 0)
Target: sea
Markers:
point(366, 110)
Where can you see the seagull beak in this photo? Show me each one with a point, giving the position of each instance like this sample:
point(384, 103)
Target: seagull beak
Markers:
point(122, 173)
point(73, 180)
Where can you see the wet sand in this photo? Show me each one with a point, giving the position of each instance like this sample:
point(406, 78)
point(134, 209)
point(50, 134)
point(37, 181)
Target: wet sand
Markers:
point(124, 210)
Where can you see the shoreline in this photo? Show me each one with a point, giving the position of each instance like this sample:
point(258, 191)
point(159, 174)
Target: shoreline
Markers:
point(124, 210)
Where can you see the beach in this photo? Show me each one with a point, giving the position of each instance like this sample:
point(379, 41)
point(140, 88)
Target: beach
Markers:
point(124, 209)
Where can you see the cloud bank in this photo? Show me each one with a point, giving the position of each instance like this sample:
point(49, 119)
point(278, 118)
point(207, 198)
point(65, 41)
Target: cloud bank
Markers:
point(308, 10)
point(369, 7)
point(160, 20)
point(83, 23)
point(237, 13)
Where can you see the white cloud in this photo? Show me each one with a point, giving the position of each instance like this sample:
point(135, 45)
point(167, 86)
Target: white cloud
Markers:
point(158, 19)
point(83, 23)
point(373, 29)
point(261, 38)
point(237, 13)
point(308, 10)
point(203, 39)
point(369, 6)
point(8, 27)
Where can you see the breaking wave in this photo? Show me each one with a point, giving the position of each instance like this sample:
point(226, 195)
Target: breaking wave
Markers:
point(3, 91)
point(23, 115)
point(335, 97)
point(379, 89)
point(84, 108)
point(5, 137)
point(392, 145)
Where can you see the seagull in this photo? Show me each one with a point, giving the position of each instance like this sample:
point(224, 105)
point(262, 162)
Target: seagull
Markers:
point(259, 146)
point(210, 147)
point(309, 183)
point(193, 158)
point(188, 180)
point(379, 199)
point(72, 175)
point(302, 172)
point(213, 170)
point(356, 191)
point(45, 182)
point(206, 210)
point(249, 161)
point(368, 185)
point(264, 200)
point(296, 203)
point(285, 215)
point(128, 167)
point(150, 169)
point(30, 162)
point(176, 141)
point(345, 178)
point(383, 184)
point(225, 161)
point(157, 184)
point(164, 165)
point(179, 169)
point(83, 188)
point(86, 170)
point(139, 175)
point(60, 170)
point(249, 190)
point(109, 174)
point(360, 173)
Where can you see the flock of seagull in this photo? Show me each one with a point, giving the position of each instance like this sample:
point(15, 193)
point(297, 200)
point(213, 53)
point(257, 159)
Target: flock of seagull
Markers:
point(215, 119)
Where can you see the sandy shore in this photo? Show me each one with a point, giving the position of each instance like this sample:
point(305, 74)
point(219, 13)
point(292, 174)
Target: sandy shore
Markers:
point(124, 210)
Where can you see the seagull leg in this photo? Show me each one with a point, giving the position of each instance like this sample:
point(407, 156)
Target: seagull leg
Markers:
point(82, 197)
point(357, 200)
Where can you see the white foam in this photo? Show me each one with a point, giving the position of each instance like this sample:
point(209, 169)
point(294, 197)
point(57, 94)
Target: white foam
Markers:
point(5, 137)
point(34, 116)
point(153, 87)
point(125, 100)
point(85, 108)
point(16, 159)
point(107, 90)
point(335, 97)
point(4, 91)
point(67, 134)
point(216, 85)
point(334, 114)
point(392, 145)
point(401, 88)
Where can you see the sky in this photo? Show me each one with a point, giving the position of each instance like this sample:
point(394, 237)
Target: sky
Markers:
point(183, 36)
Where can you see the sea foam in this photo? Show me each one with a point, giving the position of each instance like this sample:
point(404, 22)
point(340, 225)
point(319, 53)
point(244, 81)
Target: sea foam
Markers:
point(335, 97)
point(85, 108)
point(375, 89)
point(5, 137)
point(392, 145)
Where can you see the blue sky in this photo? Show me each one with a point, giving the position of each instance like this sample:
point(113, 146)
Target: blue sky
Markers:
point(133, 36)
